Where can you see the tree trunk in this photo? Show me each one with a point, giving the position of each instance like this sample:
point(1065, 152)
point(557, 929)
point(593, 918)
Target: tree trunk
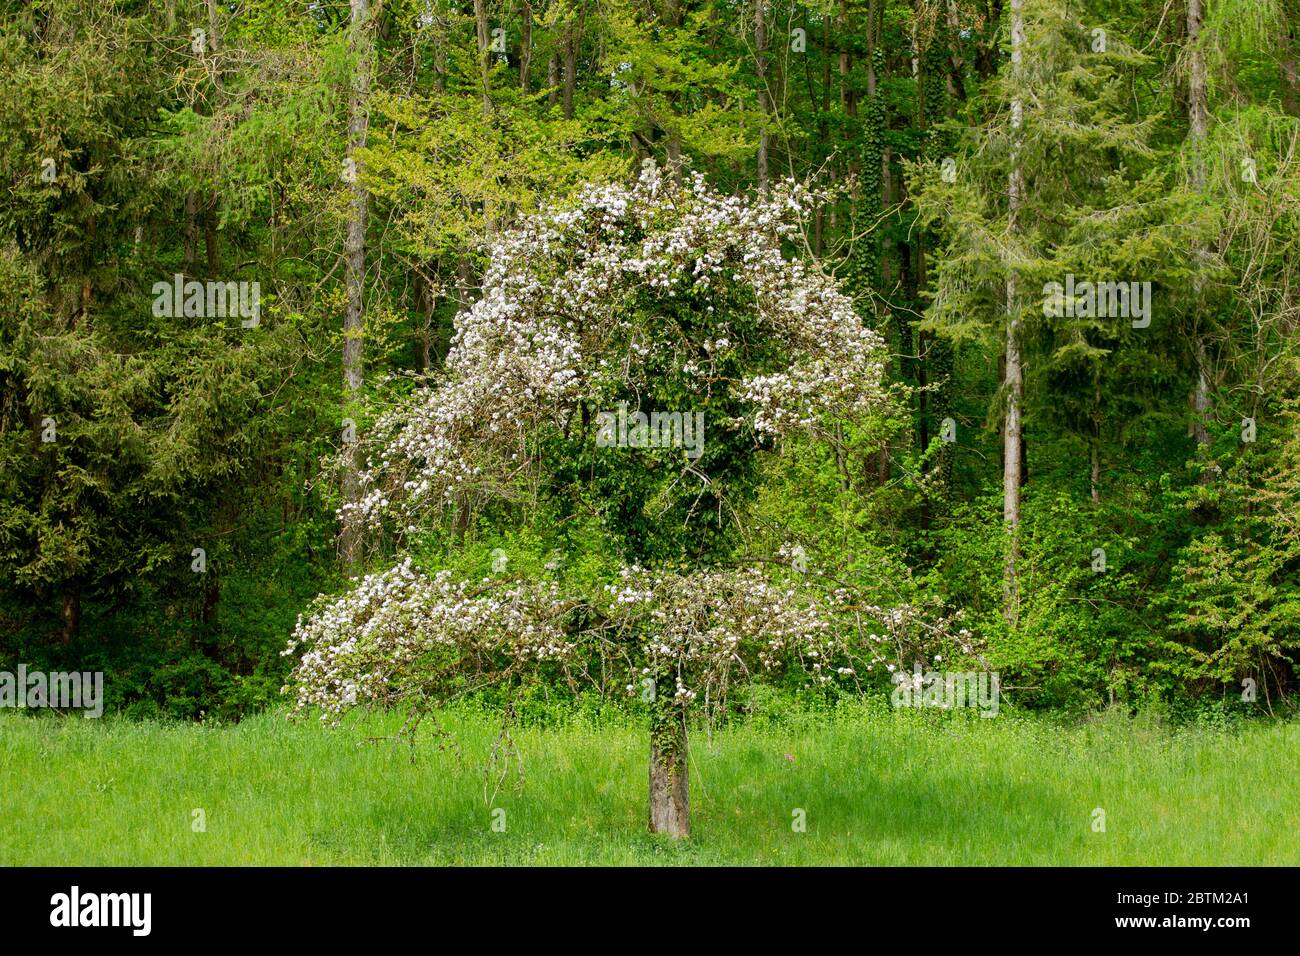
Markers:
point(190, 245)
point(670, 808)
point(1096, 443)
point(484, 63)
point(355, 265)
point(525, 44)
point(1013, 381)
point(570, 67)
point(986, 43)
point(956, 84)
point(214, 43)
point(1198, 122)
point(760, 67)
point(823, 130)
point(440, 55)
point(211, 241)
point(673, 132)
point(428, 303)
point(849, 104)
point(464, 283)
point(71, 614)
point(1096, 473)
point(848, 98)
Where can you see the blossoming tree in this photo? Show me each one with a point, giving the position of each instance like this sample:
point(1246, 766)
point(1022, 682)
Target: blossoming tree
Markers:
point(658, 295)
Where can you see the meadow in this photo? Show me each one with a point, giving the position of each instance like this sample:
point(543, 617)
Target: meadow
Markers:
point(875, 787)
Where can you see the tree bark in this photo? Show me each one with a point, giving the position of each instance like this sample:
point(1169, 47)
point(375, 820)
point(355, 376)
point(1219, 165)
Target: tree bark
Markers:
point(673, 131)
point(823, 130)
point(428, 302)
point(440, 54)
point(848, 98)
point(190, 246)
point(1096, 443)
point(1096, 473)
point(1198, 116)
point(848, 101)
point(570, 67)
point(955, 81)
point(986, 43)
point(214, 42)
point(211, 241)
point(525, 44)
point(888, 248)
point(1013, 381)
point(354, 252)
point(760, 68)
point(484, 67)
point(209, 202)
point(71, 614)
point(670, 809)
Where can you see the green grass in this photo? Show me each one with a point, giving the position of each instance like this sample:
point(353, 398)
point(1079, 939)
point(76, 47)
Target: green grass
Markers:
point(878, 789)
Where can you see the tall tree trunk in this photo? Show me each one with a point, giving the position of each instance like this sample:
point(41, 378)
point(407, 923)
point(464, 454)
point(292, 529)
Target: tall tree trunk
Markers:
point(71, 614)
point(570, 66)
point(670, 807)
point(922, 338)
point(986, 43)
point(764, 106)
point(464, 282)
point(354, 253)
point(848, 99)
point(428, 297)
point(1013, 381)
point(484, 54)
point(211, 241)
point(877, 73)
point(823, 129)
point(673, 132)
point(209, 202)
point(1096, 441)
point(1096, 473)
point(1198, 125)
point(214, 42)
point(440, 54)
point(190, 246)
point(525, 44)
point(955, 80)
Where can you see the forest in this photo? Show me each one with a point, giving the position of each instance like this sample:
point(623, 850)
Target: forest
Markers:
point(691, 360)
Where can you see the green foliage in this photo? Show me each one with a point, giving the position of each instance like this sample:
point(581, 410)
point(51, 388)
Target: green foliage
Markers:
point(1233, 605)
point(177, 433)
